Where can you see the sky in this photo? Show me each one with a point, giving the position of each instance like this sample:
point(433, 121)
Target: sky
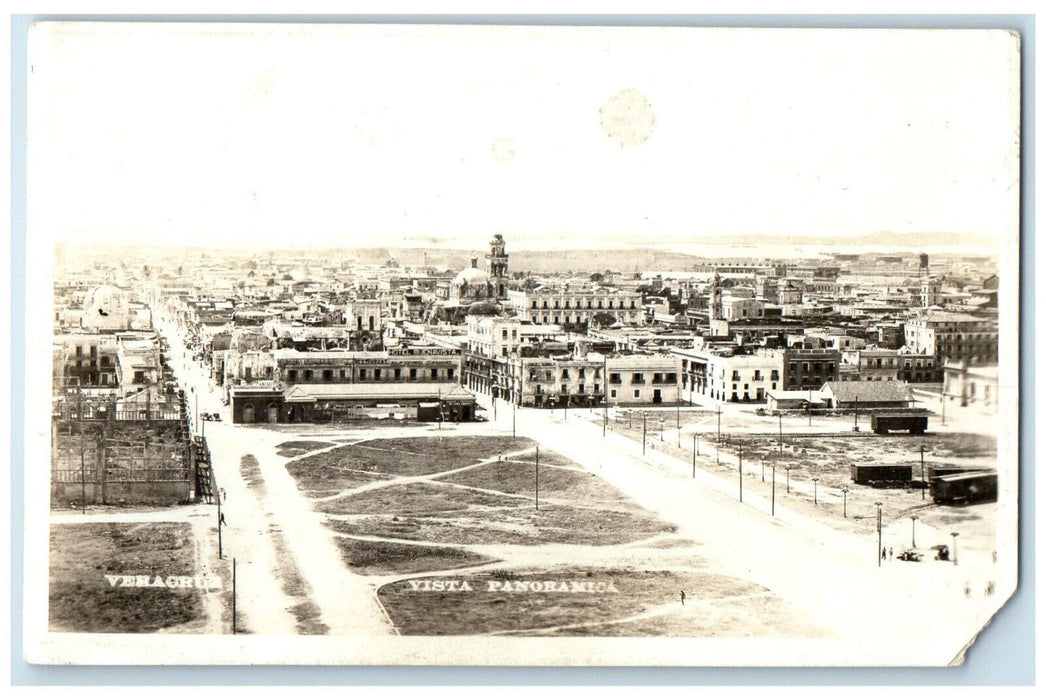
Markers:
point(276, 135)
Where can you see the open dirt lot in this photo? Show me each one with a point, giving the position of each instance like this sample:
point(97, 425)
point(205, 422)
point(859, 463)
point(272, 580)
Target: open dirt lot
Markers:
point(606, 602)
point(82, 599)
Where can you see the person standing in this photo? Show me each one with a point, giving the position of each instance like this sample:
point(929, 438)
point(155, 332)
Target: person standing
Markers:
point(682, 597)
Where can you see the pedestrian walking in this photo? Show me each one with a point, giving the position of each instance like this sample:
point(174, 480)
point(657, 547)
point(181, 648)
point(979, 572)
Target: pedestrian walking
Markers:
point(884, 553)
point(682, 597)
point(891, 552)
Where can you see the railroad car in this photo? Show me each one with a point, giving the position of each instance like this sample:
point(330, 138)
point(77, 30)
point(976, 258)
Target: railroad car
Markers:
point(883, 424)
point(965, 487)
point(881, 474)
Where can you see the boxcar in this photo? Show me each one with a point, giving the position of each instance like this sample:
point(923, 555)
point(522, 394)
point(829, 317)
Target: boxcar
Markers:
point(883, 424)
point(881, 474)
point(965, 487)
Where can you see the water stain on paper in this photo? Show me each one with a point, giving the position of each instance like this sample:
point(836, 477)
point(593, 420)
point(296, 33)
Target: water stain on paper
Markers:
point(628, 118)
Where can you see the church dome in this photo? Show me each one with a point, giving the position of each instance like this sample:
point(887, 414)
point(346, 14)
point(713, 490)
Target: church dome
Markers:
point(472, 276)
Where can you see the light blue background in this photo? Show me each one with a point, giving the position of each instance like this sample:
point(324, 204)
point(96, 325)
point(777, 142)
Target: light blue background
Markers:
point(1003, 655)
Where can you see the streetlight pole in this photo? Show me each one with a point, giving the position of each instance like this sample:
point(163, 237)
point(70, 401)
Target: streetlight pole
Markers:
point(788, 479)
point(644, 432)
point(780, 433)
point(718, 422)
point(879, 528)
point(815, 490)
point(740, 477)
point(606, 399)
point(514, 420)
point(922, 469)
point(537, 458)
point(846, 490)
point(914, 518)
point(694, 474)
point(773, 489)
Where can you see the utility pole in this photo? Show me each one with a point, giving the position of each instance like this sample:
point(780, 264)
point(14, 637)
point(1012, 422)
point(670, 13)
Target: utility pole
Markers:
point(606, 399)
point(879, 528)
point(644, 432)
point(218, 499)
point(773, 489)
point(537, 459)
point(922, 470)
point(694, 475)
point(83, 466)
point(234, 595)
point(780, 433)
point(815, 490)
point(740, 477)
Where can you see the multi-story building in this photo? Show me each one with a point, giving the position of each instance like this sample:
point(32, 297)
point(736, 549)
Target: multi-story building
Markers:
point(388, 366)
point(972, 386)
point(545, 382)
point(954, 337)
point(643, 379)
point(565, 305)
point(729, 375)
point(809, 369)
point(884, 364)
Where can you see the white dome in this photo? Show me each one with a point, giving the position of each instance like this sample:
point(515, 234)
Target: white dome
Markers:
point(472, 276)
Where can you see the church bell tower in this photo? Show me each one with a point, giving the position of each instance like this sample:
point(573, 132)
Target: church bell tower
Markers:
point(497, 265)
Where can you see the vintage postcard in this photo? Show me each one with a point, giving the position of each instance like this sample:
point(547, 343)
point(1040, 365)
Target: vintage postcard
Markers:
point(380, 344)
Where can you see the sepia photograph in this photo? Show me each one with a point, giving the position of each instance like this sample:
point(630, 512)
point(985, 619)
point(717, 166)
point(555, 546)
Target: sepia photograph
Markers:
point(519, 345)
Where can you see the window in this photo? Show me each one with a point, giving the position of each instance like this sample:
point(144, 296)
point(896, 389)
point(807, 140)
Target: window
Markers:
point(533, 305)
point(396, 373)
point(581, 388)
point(670, 378)
point(637, 378)
point(635, 394)
point(615, 378)
point(328, 374)
point(413, 373)
point(433, 373)
point(450, 373)
point(504, 333)
point(377, 373)
point(597, 388)
point(292, 375)
point(562, 388)
point(363, 374)
point(735, 376)
point(613, 393)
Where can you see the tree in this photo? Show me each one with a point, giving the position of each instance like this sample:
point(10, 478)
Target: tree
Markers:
point(602, 319)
